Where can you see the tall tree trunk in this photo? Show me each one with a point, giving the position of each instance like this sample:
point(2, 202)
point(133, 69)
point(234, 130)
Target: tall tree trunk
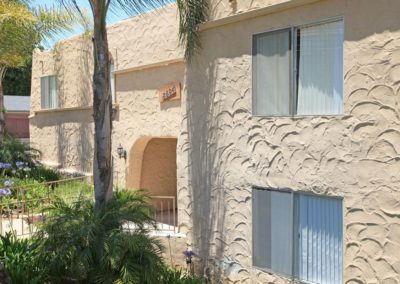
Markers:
point(3, 70)
point(102, 108)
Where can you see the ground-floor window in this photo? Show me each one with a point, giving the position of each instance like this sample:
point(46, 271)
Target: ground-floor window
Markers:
point(298, 235)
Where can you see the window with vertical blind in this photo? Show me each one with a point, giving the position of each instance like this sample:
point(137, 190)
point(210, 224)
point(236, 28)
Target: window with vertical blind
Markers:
point(49, 92)
point(299, 70)
point(298, 235)
point(112, 82)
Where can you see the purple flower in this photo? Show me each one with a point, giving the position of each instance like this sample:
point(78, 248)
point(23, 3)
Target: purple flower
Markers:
point(19, 164)
point(5, 192)
point(5, 165)
point(8, 183)
point(27, 169)
point(189, 254)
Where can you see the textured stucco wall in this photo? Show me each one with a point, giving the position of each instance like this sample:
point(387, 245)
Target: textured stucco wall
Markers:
point(224, 150)
point(148, 38)
point(140, 112)
point(158, 167)
point(71, 60)
point(225, 8)
point(65, 137)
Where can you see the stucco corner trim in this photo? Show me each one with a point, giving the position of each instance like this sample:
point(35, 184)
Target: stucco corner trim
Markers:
point(289, 4)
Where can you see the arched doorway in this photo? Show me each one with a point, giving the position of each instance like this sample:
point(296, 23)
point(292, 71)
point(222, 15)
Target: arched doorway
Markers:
point(152, 166)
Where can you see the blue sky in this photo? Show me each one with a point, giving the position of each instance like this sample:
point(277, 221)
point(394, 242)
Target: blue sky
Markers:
point(112, 18)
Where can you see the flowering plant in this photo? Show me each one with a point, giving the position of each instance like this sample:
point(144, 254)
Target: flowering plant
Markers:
point(8, 183)
point(19, 164)
point(5, 192)
point(5, 165)
point(189, 254)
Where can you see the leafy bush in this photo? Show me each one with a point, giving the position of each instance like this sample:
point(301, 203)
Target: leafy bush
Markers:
point(86, 245)
point(172, 276)
point(42, 174)
point(20, 259)
point(19, 160)
point(80, 244)
point(34, 196)
point(12, 151)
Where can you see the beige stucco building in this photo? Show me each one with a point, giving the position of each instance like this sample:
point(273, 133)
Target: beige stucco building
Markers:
point(270, 189)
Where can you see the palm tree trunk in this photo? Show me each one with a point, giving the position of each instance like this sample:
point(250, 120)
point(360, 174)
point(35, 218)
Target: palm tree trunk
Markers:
point(102, 108)
point(3, 70)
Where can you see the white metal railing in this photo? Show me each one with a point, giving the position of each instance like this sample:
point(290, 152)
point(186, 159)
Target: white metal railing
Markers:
point(165, 212)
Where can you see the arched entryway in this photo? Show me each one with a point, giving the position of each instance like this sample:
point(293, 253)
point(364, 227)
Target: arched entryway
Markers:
point(152, 166)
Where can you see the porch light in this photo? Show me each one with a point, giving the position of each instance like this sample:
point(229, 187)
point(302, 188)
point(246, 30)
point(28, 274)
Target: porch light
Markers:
point(121, 152)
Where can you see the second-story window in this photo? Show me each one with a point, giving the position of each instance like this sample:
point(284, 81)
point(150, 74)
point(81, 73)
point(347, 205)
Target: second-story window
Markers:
point(299, 70)
point(112, 83)
point(49, 92)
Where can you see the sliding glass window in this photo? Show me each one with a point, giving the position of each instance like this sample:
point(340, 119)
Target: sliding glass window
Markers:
point(299, 71)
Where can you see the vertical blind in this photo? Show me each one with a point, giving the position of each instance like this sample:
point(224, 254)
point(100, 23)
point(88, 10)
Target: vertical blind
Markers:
point(320, 236)
point(316, 87)
point(49, 93)
point(320, 78)
point(300, 235)
point(271, 84)
point(112, 83)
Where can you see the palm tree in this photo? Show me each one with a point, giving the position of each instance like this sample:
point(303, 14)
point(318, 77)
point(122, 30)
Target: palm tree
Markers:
point(191, 14)
point(22, 28)
point(82, 245)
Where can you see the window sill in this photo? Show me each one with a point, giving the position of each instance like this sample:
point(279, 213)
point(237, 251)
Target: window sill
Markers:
point(297, 116)
point(287, 277)
point(269, 271)
point(55, 110)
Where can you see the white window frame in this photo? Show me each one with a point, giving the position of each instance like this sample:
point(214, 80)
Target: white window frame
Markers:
point(293, 67)
point(294, 245)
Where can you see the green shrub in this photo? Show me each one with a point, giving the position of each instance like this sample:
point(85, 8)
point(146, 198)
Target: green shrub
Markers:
point(85, 245)
point(172, 276)
point(19, 160)
point(12, 151)
point(42, 174)
point(20, 259)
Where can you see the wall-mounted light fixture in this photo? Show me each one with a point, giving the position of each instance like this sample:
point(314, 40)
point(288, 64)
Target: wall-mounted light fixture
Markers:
point(121, 152)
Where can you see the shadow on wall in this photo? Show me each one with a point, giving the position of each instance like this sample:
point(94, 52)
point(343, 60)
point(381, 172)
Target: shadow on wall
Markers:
point(206, 185)
point(73, 134)
point(152, 166)
point(71, 130)
point(78, 93)
point(85, 67)
point(226, 55)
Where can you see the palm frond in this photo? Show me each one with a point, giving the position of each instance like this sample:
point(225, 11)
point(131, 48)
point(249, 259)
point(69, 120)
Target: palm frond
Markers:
point(22, 27)
point(53, 20)
point(91, 246)
point(134, 7)
point(192, 13)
